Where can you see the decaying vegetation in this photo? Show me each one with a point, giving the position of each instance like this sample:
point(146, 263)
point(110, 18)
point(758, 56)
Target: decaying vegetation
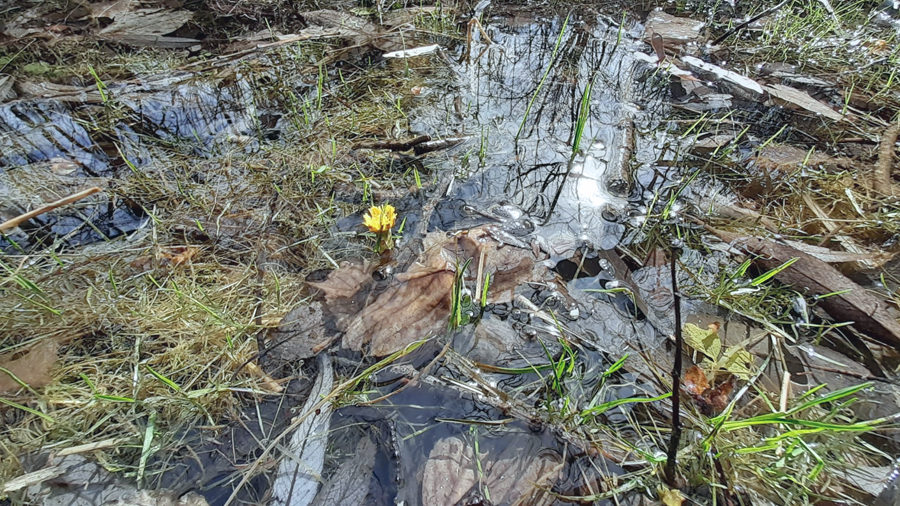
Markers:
point(196, 278)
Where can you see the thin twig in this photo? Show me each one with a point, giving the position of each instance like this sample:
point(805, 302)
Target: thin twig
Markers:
point(739, 27)
point(47, 208)
point(675, 438)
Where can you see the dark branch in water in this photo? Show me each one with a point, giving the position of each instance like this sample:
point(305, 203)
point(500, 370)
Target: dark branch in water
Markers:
point(676, 382)
point(741, 26)
point(394, 145)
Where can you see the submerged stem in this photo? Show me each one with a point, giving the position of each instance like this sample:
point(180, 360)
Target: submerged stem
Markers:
point(676, 382)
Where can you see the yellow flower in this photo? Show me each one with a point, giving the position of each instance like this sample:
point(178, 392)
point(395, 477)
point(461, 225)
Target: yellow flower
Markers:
point(380, 219)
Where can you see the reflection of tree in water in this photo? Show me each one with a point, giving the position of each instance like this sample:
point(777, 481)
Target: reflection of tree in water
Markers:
point(533, 169)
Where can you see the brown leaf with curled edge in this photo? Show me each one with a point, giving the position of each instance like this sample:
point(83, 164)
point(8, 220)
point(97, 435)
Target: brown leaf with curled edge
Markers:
point(847, 301)
point(31, 366)
point(709, 401)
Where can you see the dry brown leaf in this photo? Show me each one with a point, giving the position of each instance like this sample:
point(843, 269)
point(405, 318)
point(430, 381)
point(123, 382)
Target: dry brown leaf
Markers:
point(345, 281)
point(31, 366)
point(176, 255)
point(709, 401)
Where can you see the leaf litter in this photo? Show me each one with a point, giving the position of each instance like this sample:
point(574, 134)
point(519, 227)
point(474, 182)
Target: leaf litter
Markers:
point(416, 303)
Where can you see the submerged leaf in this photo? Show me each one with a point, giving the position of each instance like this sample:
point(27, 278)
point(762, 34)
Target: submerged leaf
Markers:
point(524, 480)
point(350, 484)
point(521, 473)
point(706, 342)
point(449, 472)
point(300, 470)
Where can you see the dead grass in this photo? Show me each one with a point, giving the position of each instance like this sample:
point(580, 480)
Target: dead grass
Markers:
point(142, 333)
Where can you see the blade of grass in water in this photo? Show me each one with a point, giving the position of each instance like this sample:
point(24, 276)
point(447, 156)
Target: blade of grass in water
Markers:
point(772, 273)
point(583, 113)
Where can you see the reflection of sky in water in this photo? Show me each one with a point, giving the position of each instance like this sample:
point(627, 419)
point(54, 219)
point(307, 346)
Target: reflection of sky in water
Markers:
point(489, 99)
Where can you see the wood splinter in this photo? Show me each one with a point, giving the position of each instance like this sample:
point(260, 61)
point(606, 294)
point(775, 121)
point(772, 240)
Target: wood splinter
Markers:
point(6, 225)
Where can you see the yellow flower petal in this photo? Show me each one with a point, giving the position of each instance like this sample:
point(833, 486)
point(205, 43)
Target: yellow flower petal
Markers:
point(380, 219)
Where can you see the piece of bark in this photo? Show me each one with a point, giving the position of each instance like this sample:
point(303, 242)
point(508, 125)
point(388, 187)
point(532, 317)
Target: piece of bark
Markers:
point(868, 313)
point(885, 160)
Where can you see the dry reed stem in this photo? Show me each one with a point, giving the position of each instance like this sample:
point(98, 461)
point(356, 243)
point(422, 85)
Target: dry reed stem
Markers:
point(51, 206)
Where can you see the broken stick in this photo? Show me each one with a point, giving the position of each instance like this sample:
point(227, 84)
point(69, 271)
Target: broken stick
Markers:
point(6, 225)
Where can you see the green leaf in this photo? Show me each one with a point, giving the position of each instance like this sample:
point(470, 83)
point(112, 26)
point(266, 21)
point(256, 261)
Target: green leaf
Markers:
point(706, 341)
point(737, 360)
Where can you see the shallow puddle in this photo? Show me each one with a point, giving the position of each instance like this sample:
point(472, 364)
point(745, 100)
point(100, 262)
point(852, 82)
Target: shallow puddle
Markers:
point(514, 112)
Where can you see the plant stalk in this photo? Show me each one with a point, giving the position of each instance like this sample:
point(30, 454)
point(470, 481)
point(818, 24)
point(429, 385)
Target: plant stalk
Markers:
point(675, 438)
